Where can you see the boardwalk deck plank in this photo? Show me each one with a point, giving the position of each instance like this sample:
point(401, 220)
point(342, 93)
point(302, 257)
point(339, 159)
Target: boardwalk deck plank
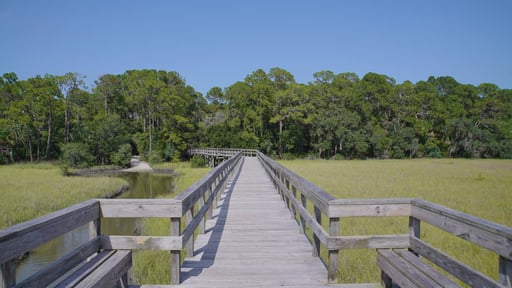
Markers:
point(252, 240)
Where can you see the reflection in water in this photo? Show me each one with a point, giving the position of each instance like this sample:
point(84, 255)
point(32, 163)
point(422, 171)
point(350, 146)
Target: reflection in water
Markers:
point(142, 185)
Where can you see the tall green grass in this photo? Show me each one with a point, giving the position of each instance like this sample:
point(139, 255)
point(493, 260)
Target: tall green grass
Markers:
point(477, 187)
point(153, 267)
point(28, 191)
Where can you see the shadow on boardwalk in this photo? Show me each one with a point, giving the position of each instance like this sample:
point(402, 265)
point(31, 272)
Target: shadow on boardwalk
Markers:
point(204, 256)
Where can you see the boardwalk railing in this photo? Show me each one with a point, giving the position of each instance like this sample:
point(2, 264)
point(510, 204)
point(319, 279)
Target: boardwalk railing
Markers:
point(312, 203)
point(222, 152)
point(19, 239)
point(308, 204)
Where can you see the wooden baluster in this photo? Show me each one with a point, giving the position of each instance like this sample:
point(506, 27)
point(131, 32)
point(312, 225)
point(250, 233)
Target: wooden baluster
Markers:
point(8, 274)
point(414, 228)
point(316, 240)
point(294, 210)
point(334, 230)
point(209, 213)
point(202, 225)
point(505, 272)
point(189, 246)
point(303, 200)
point(287, 185)
point(175, 254)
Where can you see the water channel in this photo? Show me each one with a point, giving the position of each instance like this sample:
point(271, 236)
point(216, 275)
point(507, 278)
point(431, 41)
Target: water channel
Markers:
point(141, 185)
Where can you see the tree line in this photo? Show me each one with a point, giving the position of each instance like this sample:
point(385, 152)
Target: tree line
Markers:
point(157, 115)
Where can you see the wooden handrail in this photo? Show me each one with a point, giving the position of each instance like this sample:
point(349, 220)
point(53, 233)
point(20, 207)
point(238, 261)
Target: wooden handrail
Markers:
point(195, 205)
point(24, 237)
point(486, 234)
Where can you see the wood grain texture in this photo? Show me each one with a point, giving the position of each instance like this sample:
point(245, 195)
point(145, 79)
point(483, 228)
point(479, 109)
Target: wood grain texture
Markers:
point(489, 235)
point(140, 208)
point(252, 240)
point(142, 242)
point(59, 268)
point(407, 270)
point(458, 269)
point(370, 207)
point(19, 239)
point(316, 195)
point(369, 242)
point(110, 272)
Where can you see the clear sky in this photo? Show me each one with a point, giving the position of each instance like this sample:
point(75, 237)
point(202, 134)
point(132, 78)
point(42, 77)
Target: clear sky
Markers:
point(216, 43)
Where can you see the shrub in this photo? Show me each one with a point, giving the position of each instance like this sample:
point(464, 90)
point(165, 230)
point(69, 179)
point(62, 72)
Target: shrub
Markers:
point(155, 157)
point(76, 155)
point(123, 156)
point(197, 162)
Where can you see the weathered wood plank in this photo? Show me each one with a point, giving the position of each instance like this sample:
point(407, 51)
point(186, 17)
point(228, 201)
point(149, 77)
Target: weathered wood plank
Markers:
point(191, 195)
point(426, 269)
point(369, 242)
point(334, 230)
point(175, 254)
point(110, 272)
point(140, 208)
point(19, 239)
point(59, 268)
point(458, 269)
point(505, 272)
point(484, 233)
point(7, 274)
point(370, 207)
point(77, 276)
point(255, 242)
point(142, 242)
point(319, 197)
point(402, 272)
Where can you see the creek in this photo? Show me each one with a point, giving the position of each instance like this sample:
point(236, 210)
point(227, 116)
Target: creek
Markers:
point(141, 185)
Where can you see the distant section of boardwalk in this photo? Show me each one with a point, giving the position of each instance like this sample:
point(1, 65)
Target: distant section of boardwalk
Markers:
point(252, 240)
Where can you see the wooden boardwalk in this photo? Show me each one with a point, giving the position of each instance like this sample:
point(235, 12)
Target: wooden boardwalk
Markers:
point(252, 240)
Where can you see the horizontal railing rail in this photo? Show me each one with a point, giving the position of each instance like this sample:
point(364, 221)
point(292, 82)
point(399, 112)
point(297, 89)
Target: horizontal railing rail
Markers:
point(309, 203)
point(222, 152)
point(316, 211)
point(19, 239)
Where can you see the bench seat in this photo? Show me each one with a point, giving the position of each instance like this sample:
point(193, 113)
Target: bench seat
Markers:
point(106, 269)
point(403, 268)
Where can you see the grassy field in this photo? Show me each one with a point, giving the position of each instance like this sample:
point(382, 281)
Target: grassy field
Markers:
point(478, 187)
point(28, 191)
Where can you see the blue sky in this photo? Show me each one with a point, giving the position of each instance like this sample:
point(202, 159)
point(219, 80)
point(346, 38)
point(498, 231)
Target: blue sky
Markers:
point(216, 43)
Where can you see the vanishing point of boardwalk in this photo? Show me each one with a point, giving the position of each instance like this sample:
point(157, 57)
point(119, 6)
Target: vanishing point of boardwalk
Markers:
point(252, 240)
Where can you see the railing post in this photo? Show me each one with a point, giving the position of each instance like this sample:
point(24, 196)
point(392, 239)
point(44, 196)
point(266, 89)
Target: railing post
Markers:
point(287, 185)
point(414, 229)
point(8, 274)
point(202, 225)
point(189, 215)
point(303, 201)
point(316, 240)
point(334, 230)
point(209, 212)
point(505, 272)
point(294, 195)
point(175, 254)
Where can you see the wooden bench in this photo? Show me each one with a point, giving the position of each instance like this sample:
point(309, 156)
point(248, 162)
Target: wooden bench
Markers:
point(107, 269)
point(89, 265)
point(406, 269)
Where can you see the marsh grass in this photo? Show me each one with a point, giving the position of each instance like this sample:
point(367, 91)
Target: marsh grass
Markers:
point(28, 191)
point(477, 187)
point(153, 267)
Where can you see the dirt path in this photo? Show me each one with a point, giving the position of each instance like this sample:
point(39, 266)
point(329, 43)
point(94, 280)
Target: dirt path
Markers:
point(138, 166)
